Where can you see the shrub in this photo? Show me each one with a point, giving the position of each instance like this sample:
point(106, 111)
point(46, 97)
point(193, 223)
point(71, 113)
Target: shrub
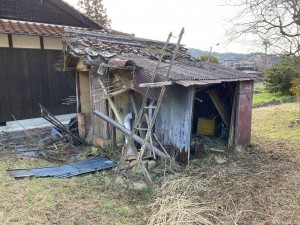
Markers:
point(295, 89)
point(279, 77)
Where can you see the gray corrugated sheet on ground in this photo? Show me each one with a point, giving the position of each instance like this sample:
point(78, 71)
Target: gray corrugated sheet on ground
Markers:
point(69, 170)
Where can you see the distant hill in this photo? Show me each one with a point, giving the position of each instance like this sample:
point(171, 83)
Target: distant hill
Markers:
point(231, 56)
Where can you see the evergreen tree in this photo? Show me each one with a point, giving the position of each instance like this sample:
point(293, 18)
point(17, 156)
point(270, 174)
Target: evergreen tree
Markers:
point(95, 9)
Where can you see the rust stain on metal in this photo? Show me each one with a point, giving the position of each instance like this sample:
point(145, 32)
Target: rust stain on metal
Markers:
point(182, 157)
point(143, 76)
point(244, 113)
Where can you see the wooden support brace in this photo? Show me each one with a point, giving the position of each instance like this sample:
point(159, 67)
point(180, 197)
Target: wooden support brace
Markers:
point(220, 106)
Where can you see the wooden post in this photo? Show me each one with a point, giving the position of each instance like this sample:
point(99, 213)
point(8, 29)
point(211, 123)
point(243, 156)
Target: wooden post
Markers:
point(232, 120)
point(81, 125)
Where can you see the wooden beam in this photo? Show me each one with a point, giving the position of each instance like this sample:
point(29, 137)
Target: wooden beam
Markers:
point(10, 42)
point(42, 42)
point(73, 69)
point(157, 84)
point(232, 119)
point(112, 94)
point(220, 106)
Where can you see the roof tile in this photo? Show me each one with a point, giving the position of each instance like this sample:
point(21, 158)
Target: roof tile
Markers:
point(20, 27)
point(31, 28)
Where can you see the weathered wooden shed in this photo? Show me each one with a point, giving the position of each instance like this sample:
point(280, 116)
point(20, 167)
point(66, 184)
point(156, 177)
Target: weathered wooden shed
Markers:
point(30, 45)
point(197, 90)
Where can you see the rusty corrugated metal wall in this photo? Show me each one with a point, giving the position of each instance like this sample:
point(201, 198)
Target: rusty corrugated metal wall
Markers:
point(143, 76)
point(174, 121)
point(244, 113)
point(28, 77)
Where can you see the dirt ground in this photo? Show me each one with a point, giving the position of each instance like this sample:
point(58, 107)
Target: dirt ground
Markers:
point(259, 184)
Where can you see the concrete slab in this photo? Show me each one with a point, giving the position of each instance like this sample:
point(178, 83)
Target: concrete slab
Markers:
point(34, 123)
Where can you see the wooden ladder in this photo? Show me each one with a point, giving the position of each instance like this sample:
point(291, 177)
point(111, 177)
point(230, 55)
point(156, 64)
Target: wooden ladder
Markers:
point(142, 112)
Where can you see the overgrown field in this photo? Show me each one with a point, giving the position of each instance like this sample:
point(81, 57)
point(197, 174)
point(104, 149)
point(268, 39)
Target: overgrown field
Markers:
point(258, 184)
point(261, 96)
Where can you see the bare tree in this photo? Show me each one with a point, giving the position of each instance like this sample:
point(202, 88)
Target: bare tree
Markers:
point(276, 22)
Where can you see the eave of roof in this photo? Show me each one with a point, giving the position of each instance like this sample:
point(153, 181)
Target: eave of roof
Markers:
point(41, 29)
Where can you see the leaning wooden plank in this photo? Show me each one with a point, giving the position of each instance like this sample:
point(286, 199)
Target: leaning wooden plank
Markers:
point(220, 106)
point(112, 94)
point(157, 84)
point(111, 102)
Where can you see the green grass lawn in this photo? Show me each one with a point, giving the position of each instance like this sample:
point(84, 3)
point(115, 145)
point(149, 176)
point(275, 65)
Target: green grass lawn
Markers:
point(265, 97)
point(261, 96)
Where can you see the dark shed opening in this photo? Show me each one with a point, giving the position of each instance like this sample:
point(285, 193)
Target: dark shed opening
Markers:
point(212, 112)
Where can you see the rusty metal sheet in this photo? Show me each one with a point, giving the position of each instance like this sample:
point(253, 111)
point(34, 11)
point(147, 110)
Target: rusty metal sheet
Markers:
point(244, 113)
point(143, 76)
point(173, 125)
point(117, 62)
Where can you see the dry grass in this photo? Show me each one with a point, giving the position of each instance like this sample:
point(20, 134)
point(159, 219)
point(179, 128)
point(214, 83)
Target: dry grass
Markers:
point(78, 200)
point(257, 185)
point(182, 210)
point(277, 124)
point(256, 188)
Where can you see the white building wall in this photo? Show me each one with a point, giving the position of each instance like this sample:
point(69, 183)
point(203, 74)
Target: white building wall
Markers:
point(53, 43)
point(24, 41)
point(4, 40)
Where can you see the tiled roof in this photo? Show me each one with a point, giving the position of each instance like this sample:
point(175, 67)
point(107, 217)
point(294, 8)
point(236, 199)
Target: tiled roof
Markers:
point(19, 27)
point(95, 48)
point(92, 45)
point(31, 28)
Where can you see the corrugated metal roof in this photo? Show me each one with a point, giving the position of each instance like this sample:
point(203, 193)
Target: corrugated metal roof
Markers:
point(191, 70)
point(143, 76)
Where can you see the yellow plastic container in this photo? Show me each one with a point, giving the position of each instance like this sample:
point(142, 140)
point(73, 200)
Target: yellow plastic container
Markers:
point(206, 126)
